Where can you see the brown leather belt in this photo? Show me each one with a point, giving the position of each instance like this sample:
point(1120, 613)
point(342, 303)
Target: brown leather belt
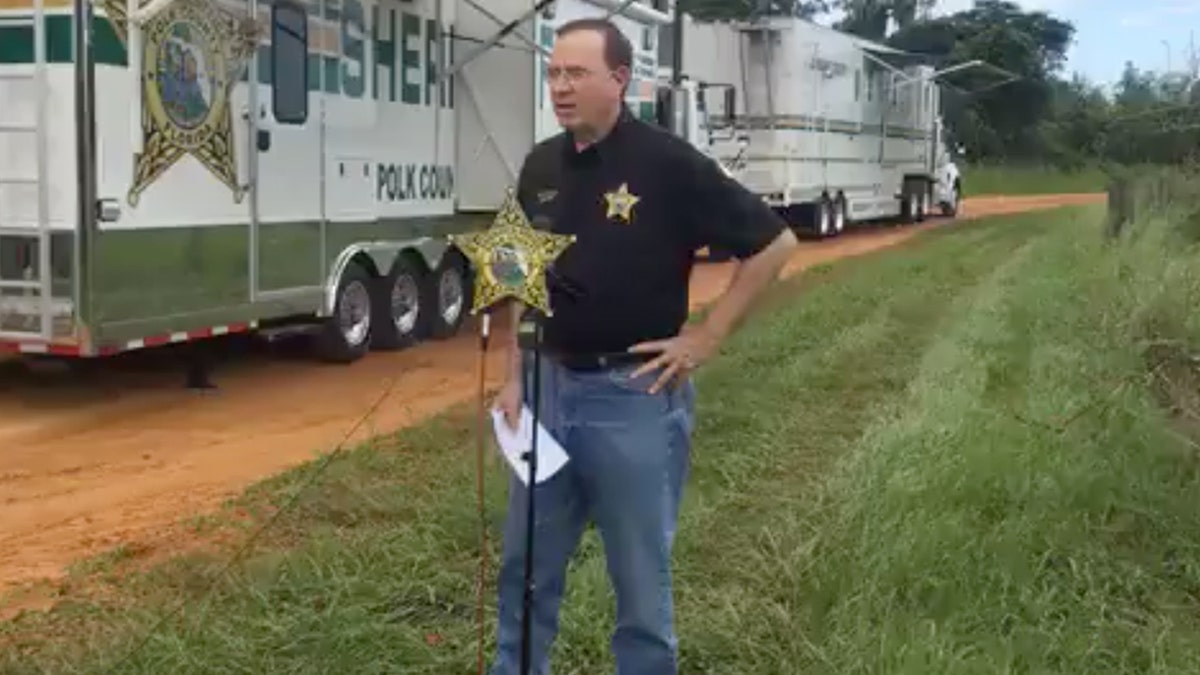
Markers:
point(599, 361)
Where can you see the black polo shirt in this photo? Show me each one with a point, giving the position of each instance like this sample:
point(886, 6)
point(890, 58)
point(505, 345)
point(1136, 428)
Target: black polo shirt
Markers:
point(640, 202)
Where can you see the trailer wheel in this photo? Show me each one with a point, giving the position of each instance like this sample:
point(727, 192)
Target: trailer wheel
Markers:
point(397, 307)
point(345, 337)
point(447, 296)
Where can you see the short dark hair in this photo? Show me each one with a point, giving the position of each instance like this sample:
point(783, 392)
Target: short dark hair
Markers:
point(618, 50)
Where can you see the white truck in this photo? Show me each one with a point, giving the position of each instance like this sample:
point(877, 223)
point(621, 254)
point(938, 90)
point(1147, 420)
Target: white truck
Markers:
point(174, 170)
point(824, 129)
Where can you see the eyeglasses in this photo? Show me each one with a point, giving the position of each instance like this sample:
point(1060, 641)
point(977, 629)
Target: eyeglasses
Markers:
point(569, 75)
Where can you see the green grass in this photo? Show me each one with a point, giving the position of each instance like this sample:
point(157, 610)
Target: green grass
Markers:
point(945, 458)
point(979, 180)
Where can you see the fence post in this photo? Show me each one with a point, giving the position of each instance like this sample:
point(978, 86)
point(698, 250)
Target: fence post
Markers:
point(1118, 205)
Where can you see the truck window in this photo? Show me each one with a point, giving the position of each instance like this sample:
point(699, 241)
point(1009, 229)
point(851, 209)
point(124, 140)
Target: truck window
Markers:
point(289, 62)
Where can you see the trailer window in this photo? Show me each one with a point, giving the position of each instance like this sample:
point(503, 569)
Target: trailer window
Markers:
point(289, 63)
point(857, 84)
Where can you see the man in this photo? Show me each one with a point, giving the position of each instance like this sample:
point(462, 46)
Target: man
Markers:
point(615, 387)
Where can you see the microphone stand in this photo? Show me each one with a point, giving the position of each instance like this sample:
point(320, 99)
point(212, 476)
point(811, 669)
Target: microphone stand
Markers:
point(513, 236)
point(529, 338)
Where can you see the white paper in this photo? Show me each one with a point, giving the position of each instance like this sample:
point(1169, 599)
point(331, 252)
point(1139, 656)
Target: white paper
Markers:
point(515, 443)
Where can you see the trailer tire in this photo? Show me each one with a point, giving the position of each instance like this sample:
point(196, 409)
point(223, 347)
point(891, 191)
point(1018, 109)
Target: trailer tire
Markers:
point(447, 297)
point(398, 307)
point(338, 342)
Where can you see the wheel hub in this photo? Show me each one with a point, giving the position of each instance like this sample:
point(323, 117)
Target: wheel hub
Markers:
point(405, 304)
point(450, 295)
point(354, 315)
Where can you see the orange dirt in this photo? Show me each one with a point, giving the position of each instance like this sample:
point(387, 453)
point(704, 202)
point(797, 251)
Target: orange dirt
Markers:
point(90, 463)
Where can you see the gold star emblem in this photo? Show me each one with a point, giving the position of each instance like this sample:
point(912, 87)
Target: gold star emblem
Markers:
point(192, 55)
point(510, 258)
point(621, 203)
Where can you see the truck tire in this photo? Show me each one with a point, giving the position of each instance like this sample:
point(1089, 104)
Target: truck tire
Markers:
point(908, 208)
point(950, 207)
point(397, 306)
point(824, 216)
point(913, 205)
point(841, 214)
point(447, 297)
point(345, 336)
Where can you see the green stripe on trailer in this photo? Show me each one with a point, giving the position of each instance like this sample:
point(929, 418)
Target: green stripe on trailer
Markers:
point(804, 123)
point(201, 274)
point(326, 73)
point(16, 41)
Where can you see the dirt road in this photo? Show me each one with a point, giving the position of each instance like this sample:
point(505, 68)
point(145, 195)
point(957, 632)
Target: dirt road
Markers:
point(121, 457)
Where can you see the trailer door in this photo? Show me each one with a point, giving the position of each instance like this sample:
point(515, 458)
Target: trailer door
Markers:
point(286, 136)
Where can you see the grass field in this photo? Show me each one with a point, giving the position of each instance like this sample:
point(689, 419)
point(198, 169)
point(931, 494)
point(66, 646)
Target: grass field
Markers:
point(952, 457)
point(979, 180)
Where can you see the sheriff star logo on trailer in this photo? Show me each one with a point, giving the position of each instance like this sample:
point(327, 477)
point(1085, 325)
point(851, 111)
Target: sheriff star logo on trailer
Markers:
point(193, 53)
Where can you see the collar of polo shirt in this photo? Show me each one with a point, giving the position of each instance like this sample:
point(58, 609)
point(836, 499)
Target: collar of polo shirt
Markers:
point(599, 147)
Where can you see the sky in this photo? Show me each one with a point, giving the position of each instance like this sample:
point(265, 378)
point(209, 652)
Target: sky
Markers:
point(1110, 32)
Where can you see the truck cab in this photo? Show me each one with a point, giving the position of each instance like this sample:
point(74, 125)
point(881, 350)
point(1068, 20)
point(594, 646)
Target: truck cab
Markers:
point(684, 110)
point(947, 186)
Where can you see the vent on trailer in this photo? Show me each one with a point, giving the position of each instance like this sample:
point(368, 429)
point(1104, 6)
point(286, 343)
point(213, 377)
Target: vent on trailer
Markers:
point(26, 309)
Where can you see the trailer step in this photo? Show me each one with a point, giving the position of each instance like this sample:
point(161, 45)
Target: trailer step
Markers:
point(23, 318)
point(23, 304)
point(19, 285)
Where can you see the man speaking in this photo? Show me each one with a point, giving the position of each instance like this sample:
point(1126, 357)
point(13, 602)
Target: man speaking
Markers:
point(616, 360)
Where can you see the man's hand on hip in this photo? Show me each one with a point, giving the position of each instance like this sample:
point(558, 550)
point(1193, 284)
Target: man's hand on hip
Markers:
point(677, 356)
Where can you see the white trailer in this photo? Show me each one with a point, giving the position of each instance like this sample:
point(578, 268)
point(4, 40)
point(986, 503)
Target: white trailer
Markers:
point(173, 170)
point(824, 130)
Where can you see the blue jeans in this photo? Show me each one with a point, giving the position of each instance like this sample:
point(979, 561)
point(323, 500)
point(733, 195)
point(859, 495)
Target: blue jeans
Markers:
point(629, 458)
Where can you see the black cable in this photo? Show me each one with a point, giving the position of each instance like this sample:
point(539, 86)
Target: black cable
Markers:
point(289, 504)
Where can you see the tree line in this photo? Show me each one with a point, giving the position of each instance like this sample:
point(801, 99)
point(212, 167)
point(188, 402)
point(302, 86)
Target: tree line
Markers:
point(1043, 116)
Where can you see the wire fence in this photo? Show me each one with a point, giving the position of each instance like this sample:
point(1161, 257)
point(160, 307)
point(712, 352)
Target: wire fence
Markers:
point(1138, 193)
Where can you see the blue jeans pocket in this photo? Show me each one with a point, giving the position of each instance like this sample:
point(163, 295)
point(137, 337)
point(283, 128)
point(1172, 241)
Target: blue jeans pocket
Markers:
point(622, 378)
point(672, 396)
